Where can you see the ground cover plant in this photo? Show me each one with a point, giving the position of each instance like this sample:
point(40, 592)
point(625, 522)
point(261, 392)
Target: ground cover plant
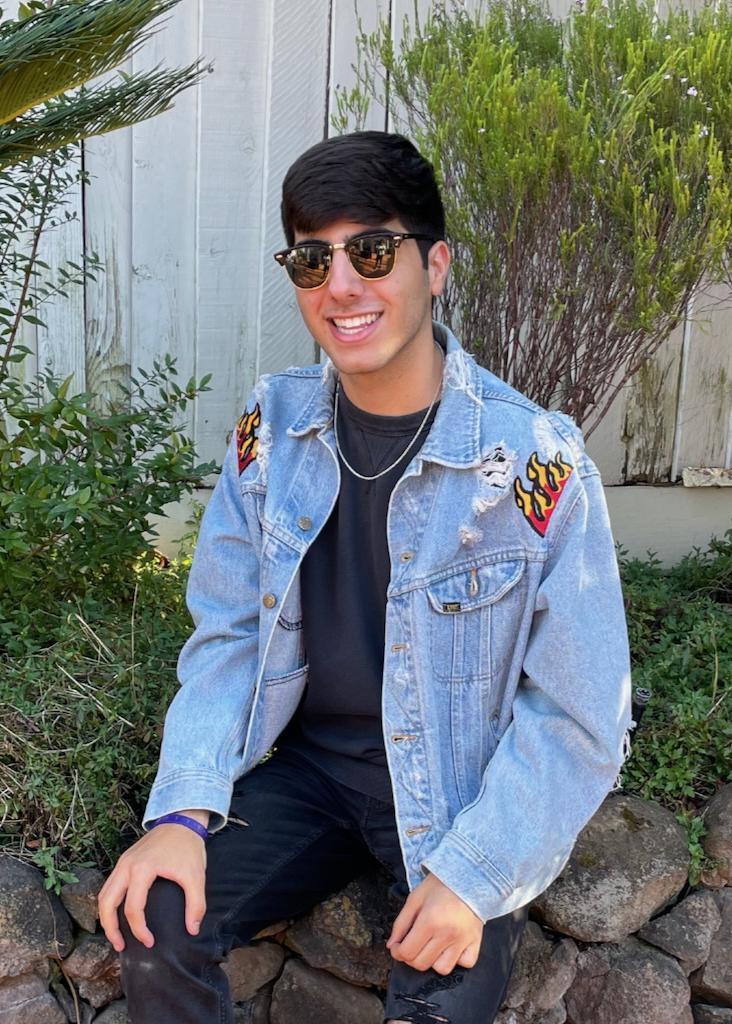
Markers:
point(82, 720)
point(680, 628)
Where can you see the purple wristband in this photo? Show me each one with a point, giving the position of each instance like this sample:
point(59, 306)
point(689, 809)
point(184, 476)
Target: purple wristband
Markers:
point(182, 819)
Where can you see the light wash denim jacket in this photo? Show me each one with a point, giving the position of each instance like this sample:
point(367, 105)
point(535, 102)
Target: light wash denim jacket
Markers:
point(506, 687)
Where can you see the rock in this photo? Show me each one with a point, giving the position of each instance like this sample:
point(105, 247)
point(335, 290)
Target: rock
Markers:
point(256, 1010)
point(25, 999)
point(272, 929)
point(627, 983)
point(346, 934)
point(711, 1014)
point(706, 476)
point(115, 1013)
point(309, 997)
point(94, 968)
point(717, 842)
point(712, 983)
point(66, 1001)
point(629, 862)
point(80, 898)
point(557, 1015)
point(33, 923)
point(542, 973)
point(686, 931)
point(248, 968)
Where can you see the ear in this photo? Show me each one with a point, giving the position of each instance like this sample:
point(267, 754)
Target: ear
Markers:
point(438, 264)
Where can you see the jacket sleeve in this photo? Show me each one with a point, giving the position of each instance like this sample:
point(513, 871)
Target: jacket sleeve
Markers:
point(205, 724)
point(564, 746)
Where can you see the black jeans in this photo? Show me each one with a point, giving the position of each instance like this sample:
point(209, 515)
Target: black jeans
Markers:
point(294, 837)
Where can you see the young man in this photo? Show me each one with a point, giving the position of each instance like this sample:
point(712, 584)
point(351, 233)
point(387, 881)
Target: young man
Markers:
point(405, 579)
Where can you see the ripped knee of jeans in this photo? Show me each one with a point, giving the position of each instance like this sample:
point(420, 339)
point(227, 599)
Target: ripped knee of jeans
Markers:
point(422, 1012)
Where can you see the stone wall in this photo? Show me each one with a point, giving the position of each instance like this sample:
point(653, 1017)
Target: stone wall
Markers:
point(619, 938)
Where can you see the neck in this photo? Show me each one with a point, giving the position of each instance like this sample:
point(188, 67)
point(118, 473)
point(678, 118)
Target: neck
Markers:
point(407, 384)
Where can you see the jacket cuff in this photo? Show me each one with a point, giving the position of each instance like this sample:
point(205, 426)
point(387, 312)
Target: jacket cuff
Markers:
point(479, 884)
point(464, 870)
point(199, 790)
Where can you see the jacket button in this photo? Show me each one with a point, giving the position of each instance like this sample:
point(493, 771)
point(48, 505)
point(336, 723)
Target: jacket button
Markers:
point(269, 600)
point(407, 556)
point(305, 523)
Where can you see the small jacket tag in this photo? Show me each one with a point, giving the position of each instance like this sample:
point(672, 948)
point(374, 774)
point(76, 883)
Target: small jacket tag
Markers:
point(451, 606)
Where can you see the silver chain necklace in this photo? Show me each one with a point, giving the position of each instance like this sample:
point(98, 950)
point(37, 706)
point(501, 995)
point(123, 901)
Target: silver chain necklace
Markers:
point(388, 469)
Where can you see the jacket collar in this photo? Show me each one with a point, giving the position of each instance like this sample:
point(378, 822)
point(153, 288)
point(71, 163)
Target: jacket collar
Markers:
point(453, 440)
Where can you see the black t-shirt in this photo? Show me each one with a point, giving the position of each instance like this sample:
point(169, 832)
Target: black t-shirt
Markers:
point(344, 578)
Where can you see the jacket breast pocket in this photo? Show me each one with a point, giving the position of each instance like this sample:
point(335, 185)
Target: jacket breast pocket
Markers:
point(474, 617)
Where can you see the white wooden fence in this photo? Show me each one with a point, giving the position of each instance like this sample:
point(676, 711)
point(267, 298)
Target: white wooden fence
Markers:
point(184, 211)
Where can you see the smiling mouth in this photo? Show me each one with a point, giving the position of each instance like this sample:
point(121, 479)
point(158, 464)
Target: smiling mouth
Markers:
point(353, 325)
point(348, 322)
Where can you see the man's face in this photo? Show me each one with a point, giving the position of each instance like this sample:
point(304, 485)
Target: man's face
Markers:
point(371, 326)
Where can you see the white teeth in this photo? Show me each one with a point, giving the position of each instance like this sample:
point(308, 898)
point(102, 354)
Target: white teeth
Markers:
point(351, 323)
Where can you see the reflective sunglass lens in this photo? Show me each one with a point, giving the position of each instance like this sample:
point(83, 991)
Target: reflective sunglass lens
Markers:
point(372, 256)
point(308, 265)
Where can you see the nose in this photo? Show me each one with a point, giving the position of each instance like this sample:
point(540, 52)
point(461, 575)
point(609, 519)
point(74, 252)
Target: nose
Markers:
point(343, 281)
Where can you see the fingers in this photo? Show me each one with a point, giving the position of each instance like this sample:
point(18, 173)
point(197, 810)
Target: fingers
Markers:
point(403, 921)
point(135, 909)
point(194, 889)
point(469, 956)
point(439, 958)
point(429, 943)
point(426, 957)
point(110, 896)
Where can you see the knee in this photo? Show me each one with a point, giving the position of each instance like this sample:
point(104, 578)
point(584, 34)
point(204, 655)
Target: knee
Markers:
point(165, 917)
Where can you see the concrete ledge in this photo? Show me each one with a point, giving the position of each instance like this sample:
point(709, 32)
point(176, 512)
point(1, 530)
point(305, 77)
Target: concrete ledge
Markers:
point(669, 520)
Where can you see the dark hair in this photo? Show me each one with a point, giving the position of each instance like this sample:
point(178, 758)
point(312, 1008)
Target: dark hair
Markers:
point(369, 177)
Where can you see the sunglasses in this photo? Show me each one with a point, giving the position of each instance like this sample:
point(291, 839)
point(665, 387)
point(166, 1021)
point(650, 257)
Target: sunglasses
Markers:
point(372, 255)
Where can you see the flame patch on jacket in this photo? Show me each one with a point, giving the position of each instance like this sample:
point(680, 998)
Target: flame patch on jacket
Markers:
point(247, 441)
point(547, 481)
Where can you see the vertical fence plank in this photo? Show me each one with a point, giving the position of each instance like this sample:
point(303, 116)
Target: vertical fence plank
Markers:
point(604, 445)
point(233, 123)
point(404, 16)
point(345, 29)
point(108, 231)
point(706, 403)
point(300, 40)
point(60, 345)
point(164, 207)
point(650, 415)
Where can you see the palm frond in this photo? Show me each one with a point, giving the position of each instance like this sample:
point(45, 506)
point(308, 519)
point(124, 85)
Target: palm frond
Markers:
point(60, 48)
point(94, 111)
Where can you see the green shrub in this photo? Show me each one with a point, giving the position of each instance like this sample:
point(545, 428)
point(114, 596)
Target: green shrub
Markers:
point(77, 486)
point(585, 168)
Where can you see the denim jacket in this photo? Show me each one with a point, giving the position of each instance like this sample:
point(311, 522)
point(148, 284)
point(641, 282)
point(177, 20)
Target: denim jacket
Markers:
point(506, 685)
